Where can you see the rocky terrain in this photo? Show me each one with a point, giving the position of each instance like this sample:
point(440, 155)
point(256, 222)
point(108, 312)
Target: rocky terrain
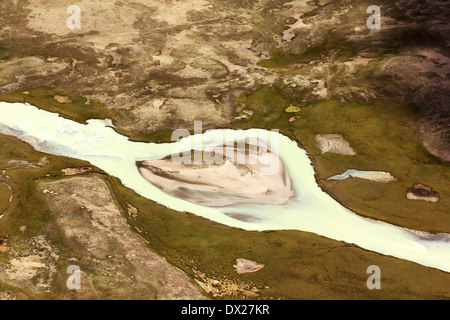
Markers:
point(165, 63)
point(118, 263)
point(354, 98)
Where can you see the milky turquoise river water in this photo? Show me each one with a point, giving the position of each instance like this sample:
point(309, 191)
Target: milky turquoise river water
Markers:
point(312, 210)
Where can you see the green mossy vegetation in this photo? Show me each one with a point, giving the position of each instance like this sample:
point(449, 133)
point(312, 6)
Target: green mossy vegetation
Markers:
point(28, 208)
point(5, 195)
point(385, 136)
point(325, 50)
point(79, 109)
point(298, 264)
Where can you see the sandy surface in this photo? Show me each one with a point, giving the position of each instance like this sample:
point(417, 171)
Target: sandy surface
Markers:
point(11, 196)
point(32, 267)
point(247, 266)
point(218, 185)
point(334, 143)
point(377, 176)
point(3, 245)
point(312, 210)
point(422, 192)
point(88, 216)
point(73, 171)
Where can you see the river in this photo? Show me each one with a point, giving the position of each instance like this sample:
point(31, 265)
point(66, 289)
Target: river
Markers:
point(312, 210)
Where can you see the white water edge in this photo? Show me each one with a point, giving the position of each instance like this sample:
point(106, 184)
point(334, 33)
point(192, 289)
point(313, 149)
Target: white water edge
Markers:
point(312, 210)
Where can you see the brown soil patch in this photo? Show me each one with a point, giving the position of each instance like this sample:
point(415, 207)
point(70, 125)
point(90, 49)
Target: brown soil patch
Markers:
point(422, 192)
point(221, 287)
point(62, 99)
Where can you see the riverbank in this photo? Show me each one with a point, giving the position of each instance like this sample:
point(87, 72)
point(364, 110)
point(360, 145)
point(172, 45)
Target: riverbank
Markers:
point(298, 265)
point(387, 142)
point(314, 211)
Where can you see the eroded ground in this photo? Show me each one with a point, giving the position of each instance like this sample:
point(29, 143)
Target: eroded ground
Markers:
point(307, 68)
point(56, 221)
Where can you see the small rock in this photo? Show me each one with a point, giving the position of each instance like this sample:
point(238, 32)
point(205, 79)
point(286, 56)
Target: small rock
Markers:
point(292, 109)
point(247, 266)
point(62, 99)
point(334, 143)
point(3, 245)
point(422, 192)
point(377, 176)
point(158, 103)
point(249, 112)
point(42, 161)
point(132, 211)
